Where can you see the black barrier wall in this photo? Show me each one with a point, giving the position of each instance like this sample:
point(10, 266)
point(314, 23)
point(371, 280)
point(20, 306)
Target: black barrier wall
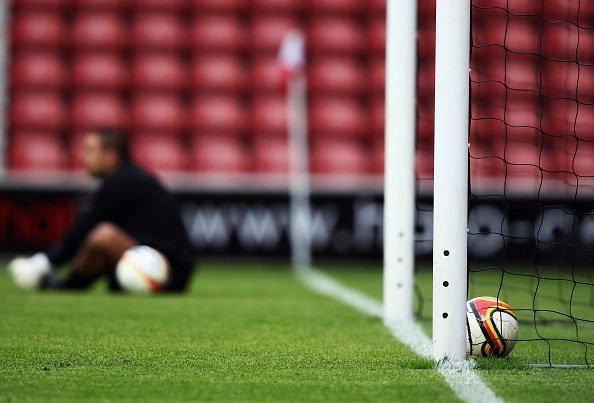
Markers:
point(342, 226)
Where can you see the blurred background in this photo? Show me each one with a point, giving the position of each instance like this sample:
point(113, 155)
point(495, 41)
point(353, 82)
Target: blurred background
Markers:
point(198, 85)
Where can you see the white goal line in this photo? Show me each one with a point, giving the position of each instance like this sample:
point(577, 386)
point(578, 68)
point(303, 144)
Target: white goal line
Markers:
point(463, 380)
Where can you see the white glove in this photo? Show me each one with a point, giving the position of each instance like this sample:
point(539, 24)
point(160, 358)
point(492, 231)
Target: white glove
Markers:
point(28, 272)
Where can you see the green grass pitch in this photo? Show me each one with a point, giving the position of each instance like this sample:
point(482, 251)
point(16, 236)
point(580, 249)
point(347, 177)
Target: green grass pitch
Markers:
point(243, 334)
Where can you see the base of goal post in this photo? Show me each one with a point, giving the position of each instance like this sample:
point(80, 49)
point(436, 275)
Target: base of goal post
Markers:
point(560, 366)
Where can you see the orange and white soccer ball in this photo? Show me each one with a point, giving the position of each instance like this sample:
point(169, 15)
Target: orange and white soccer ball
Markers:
point(142, 269)
point(492, 327)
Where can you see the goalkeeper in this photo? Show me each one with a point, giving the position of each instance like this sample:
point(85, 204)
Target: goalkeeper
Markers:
point(129, 208)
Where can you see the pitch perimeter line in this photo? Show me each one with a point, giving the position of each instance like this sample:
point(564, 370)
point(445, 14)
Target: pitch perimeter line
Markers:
point(463, 380)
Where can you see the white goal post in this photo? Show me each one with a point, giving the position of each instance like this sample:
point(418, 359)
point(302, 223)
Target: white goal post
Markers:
point(450, 167)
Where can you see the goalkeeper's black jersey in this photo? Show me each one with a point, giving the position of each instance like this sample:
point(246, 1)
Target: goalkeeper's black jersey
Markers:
point(133, 200)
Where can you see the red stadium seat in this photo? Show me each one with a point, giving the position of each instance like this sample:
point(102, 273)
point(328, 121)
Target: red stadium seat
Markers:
point(219, 73)
point(522, 72)
point(377, 34)
point(158, 72)
point(377, 75)
point(267, 74)
point(91, 111)
point(377, 6)
point(37, 29)
point(335, 7)
point(337, 116)
point(218, 5)
point(159, 153)
point(99, 71)
point(424, 163)
point(560, 41)
point(271, 154)
point(218, 33)
point(160, 5)
point(99, 4)
point(426, 44)
point(218, 154)
point(218, 114)
point(584, 122)
point(336, 76)
point(40, 4)
point(277, 6)
point(488, 63)
point(76, 147)
point(378, 117)
point(267, 33)
point(97, 30)
point(560, 79)
point(558, 116)
point(335, 35)
point(426, 77)
point(379, 157)
point(158, 113)
point(162, 31)
point(582, 161)
point(38, 111)
point(338, 156)
point(270, 116)
point(36, 151)
point(38, 70)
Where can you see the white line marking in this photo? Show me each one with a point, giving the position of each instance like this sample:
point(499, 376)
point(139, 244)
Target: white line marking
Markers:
point(462, 378)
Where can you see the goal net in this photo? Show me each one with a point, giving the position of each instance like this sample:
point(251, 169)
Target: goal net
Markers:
point(531, 169)
point(531, 215)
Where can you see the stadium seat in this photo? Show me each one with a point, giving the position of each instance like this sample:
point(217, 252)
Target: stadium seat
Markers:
point(38, 111)
point(564, 42)
point(95, 110)
point(377, 75)
point(158, 31)
point(582, 159)
point(160, 5)
point(560, 79)
point(158, 72)
point(223, 6)
point(425, 131)
point(93, 5)
point(38, 70)
point(218, 114)
point(335, 7)
point(218, 33)
point(36, 151)
point(378, 118)
point(377, 35)
point(271, 154)
point(426, 44)
point(37, 29)
point(99, 30)
point(336, 76)
point(377, 6)
point(75, 149)
point(270, 116)
point(488, 63)
point(338, 156)
point(335, 35)
point(558, 116)
point(584, 122)
point(424, 163)
point(277, 6)
point(40, 4)
point(219, 73)
point(158, 152)
point(522, 72)
point(99, 71)
point(379, 157)
point(218, 154)
point(337, 116)
point(267, 75)
point(268, 32)
point(158, 113)
point(426, 77)
point(522, 109)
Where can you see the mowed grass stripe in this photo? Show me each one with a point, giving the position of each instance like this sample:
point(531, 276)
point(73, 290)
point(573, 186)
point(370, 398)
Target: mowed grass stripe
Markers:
point(242, 334)
point(509, 378)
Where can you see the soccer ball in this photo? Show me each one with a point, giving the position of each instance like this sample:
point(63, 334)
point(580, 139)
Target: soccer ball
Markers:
point(492, 327)
point(142, 269)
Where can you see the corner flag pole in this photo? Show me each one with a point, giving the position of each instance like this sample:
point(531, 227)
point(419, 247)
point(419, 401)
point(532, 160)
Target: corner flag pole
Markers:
point(292, 59)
